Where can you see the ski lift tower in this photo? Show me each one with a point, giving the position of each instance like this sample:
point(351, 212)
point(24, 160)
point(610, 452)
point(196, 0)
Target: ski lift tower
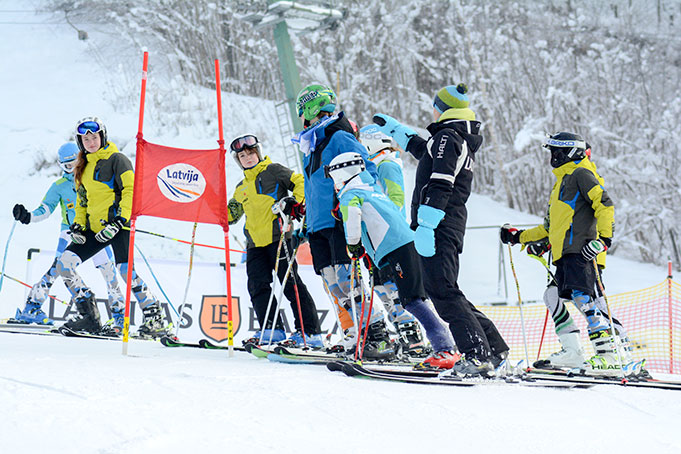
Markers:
point(299, 17)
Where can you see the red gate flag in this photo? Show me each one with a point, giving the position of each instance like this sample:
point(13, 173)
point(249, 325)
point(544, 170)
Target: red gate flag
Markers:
point(174, 183)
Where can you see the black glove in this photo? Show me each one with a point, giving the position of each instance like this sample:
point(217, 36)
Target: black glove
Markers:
point(539, 248)
point(592, 248)
point(236, 210)
point(289, 206)
point(21, 214)
point(356, 250)
point(110, 229)
point(607, 242)
point(77, 233)
point(509, 234)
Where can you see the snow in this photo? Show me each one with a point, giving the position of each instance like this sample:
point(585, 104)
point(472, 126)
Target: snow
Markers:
point(77, 395)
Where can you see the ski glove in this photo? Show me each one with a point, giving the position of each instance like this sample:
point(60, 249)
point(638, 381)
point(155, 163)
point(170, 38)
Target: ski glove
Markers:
point(110, 229)
point(424, 237)
point(509, 234)
point(592, 248)
point(356, 250)
point(388, 125)
point(289, 206)
point(21, 214)
point(77, 233)
point(538, 248)
point(236, 210)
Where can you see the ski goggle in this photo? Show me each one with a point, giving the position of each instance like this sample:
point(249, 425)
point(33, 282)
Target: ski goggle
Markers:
point(88, 127)
point(68, 166)
point(240, 143)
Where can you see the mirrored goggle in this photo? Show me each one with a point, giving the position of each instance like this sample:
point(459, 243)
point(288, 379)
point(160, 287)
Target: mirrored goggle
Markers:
point(245, 141)
point(87, 127)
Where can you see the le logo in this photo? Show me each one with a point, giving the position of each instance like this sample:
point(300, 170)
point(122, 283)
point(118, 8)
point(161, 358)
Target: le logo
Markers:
point(214, 314)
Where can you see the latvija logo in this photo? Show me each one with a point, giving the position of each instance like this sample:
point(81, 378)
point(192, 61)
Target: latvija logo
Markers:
point(181, 182)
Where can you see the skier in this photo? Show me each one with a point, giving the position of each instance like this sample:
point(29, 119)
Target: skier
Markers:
point(104, 179)
point(382, 152)
point(373, 224)
point(438, 214)
point(325, 136)
point(62, 192)
point(265, 186)
point(579, 227)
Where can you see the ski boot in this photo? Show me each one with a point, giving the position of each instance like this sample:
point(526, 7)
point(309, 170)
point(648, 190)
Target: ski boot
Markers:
point(114, 327)
point(32, 313)
point(470, 366)
point(439, 361)
point(347, 344)
point(277, 335)
point(605, 361)
point(411, 340)
point(153, 325)
point(378, 346)
point(571, 354)
point(313, 341)
point(87, 319)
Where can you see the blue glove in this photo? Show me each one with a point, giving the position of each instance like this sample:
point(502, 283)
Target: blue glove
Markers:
point(424, 237)
point(388, 125)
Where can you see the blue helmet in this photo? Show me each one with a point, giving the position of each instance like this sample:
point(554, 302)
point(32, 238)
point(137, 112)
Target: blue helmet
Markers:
point(67, 155)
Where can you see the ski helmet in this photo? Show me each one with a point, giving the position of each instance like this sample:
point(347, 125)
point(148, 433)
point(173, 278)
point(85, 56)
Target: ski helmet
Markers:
point(66, 156)
point(375, 141)
point(314, 99)
point(245, 141)
point(565, 147)
point(343, 168)
point(90, 125)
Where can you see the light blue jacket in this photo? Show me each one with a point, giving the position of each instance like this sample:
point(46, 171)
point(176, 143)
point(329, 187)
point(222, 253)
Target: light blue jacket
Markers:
point(369, 215)
point(62, 192)
point(391, 179)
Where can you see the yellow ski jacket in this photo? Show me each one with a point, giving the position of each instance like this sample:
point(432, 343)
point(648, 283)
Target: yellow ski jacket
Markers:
point(105, 190)
point(263, 184)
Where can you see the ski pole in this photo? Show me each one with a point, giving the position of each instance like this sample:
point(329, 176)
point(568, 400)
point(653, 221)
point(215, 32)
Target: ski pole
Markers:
point(543, 331)
point(4, 259)
point(371, 306)
point(289, 260)
point(353, 304)
point(612, 325)
point(546, 317)
point(520, 304)
point(156, 280)
point(358, 356)
point(263, 326)
point(189, 242)
point(189, 275)
point(29, 286)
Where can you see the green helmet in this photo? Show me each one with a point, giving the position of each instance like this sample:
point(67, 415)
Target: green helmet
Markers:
point(314, 99)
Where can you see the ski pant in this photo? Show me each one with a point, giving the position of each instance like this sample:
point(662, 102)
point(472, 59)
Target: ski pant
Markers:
point(260, 262)
point(75, 254)
point(474, 334)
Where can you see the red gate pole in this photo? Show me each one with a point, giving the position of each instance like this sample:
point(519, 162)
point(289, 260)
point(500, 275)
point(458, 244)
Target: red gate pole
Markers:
point(133, 217)
point(671, 314)
point(225, 227)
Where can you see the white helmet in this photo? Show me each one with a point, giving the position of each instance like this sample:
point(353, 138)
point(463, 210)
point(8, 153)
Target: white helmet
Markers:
point(343, 168)
point(375, 141)
point(249, 141)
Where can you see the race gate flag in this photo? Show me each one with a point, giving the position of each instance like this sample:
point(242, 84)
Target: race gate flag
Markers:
point(186, 185)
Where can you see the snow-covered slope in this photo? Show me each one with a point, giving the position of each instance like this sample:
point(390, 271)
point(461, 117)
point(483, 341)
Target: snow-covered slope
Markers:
point(72, 395)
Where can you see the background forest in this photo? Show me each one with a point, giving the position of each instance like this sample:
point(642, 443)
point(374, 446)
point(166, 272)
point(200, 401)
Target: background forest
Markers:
point(606, 69)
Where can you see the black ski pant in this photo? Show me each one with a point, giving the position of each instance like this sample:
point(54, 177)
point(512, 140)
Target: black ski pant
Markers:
point(260, 263)
point(474, 334)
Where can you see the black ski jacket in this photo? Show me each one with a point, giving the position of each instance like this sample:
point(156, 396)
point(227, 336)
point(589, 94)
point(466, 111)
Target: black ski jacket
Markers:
point(445, 172)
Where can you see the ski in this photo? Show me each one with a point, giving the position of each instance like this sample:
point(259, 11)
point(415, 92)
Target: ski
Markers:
point(259, 351)
point(35, 330)
point(205, 343)
point(634, 382)
point(172, 341)
point(70, 333)
point(356, 370)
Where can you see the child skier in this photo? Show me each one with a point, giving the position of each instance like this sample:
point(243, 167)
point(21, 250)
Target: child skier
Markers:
point(63, 192)
point(325, 136)
point(373, 224)
point(579, 227)
point(267, 185)
point(104, 180)
point(391, 180)
point(438, 215)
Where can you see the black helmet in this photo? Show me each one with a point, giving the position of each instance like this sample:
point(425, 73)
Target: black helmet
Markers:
point(565, 147)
